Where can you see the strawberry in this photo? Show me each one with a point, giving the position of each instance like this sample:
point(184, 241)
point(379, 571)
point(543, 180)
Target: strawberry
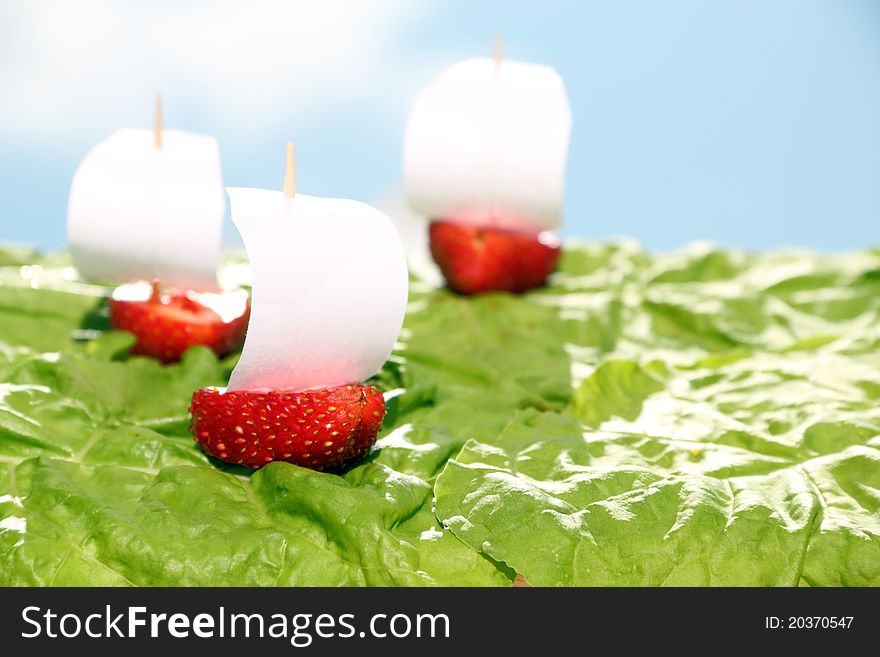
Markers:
point(316, 429)
point(167, 323)
point(477, 259)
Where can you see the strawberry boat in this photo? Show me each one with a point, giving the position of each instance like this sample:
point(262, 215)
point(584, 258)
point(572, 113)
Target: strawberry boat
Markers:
point(329, 293)
point(484, 159)
point(146, 210)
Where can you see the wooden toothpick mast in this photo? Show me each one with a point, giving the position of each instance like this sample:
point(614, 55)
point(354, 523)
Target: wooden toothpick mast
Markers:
point(157, 122)
point(289, 173)
point(499, 50)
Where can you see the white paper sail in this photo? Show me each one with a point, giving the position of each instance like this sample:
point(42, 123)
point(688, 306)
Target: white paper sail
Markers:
point(329, 290)
point(137, 212)
point(487, 145)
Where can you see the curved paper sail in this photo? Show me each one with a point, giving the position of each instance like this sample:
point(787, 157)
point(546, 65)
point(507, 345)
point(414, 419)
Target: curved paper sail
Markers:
point(488, 144)
point(329, 291)
point(140, 212)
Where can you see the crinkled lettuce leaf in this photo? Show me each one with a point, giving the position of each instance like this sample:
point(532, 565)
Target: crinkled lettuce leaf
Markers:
point(101, 483)
point(707, 417)
point(729, 436)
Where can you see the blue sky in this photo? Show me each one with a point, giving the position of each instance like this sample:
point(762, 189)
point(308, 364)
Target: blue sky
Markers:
point(746, 122)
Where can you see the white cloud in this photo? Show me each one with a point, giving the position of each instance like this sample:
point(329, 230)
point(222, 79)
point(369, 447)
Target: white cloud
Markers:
point(94, 64)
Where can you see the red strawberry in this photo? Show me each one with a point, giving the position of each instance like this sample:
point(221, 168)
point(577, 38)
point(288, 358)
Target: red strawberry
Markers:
point(167, 324)
point(480, 259)
point(316, 429)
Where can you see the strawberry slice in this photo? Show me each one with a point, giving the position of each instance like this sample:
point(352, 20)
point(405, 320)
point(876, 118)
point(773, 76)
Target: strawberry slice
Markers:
point(167, 323)
point(316, 429)
point(477, 259)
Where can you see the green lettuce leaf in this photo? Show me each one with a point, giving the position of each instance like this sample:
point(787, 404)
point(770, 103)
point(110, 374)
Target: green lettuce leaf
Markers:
point(729, 437)
point(101, 483)
point(706, 417)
